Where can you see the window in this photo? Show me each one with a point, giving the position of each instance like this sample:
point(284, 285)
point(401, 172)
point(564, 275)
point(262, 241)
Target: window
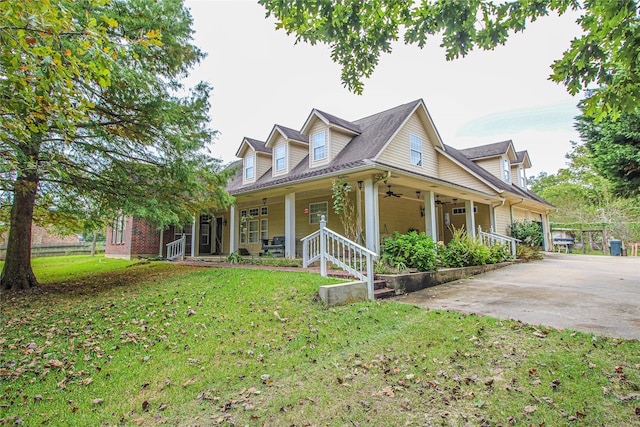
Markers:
point(319, 146)
point(316, 210)
point(204, 234)
point(506, 170)
point(117, 236)
point(179, 231)
point(249, 169)
point(523, 178)
point(462, 211)
point(243, 213)
point(253, 212)
point(264, 210)
point(281, 152)
point(415, 143)
point(264, 229)
point(253, 231)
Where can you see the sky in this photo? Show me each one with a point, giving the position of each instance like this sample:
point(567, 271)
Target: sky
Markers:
point(260, 78)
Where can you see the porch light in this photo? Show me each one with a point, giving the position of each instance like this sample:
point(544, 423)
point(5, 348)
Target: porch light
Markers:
point(422, 211)
point(264, 201)
point(224, 222)
point(360, 185)
point(418, 194)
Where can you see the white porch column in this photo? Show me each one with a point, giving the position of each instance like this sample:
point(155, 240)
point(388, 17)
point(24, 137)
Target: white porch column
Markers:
point(430, 225)
point(372, 217)
point(195, 240)
point(492, 217)
point(470, 218)
point(290, 225)
point(234, 228)
point(359, 213)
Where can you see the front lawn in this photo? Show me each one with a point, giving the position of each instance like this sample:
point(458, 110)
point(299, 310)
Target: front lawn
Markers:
point(163, 344)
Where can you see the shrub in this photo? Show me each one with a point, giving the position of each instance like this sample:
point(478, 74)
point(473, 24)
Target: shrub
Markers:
point(465, 251)
point(411, 250)
point(235, 258)
point(527, 253)
point(528, 232)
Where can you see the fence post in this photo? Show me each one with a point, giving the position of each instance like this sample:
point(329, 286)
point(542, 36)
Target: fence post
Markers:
point(323, 247)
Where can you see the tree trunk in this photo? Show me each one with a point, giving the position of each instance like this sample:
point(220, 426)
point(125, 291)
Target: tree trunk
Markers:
point(93, 243)
point(17, 272)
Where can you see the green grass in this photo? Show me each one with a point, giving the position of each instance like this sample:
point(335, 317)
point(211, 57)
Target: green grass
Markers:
point(162, 344)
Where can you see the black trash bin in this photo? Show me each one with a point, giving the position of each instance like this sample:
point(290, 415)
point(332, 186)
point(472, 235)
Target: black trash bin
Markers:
point(615, 247)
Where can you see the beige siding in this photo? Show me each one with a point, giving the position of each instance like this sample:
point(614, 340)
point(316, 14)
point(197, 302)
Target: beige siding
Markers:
point(450, 171)
point(397, 153)
point(296, 154)
point(401, 215)
point(483, 217)
point(338, 141)
point(520, 214)
point(275, 216)
point(319, 126)
point(493, 166)
point(503, 219)
point(263, 163)
point(459, 221)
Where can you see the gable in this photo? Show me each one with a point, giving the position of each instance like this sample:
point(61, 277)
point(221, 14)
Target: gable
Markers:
point(397, 152)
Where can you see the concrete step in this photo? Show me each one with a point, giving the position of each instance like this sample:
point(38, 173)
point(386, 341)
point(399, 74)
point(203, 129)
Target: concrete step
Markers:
point(379, 284)
point(384, 293)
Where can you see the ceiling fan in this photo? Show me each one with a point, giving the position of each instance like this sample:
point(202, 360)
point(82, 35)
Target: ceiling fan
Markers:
point(390, 193)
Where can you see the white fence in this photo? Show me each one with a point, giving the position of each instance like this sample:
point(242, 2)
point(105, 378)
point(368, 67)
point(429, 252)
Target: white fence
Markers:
point(491, 238)
point(327, 245)
point(175, 249)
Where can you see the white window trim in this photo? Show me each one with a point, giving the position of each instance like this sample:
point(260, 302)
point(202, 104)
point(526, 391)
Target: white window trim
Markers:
point(411, 151)
point(253, 235)
point(284, 159)
point(117, 230)
point(264, 228)
point(326, 147)
point(253, 168)
point(318, 214)
point(506, 170)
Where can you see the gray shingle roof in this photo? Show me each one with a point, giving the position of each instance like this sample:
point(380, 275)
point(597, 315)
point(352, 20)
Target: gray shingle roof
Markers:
point(340, 122)
point(489, 150)
point(293, 134)
point(258, 145)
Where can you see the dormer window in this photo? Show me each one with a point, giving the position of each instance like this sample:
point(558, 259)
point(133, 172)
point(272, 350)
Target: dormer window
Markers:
point(523, 178)
point(249, 167)
point(319, 146)
point(280, 157)
point(507, 172)
point(415, 143)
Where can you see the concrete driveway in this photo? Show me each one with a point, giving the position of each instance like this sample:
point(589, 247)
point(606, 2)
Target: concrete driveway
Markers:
point(598, 294)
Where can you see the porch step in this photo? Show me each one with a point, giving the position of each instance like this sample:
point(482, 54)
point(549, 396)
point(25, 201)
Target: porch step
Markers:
point(379, 284)
point(384, 293)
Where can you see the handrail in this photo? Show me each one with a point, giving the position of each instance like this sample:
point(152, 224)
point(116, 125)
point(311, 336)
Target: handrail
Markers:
point(327, 245)
point(176, 248)
point(491, 238)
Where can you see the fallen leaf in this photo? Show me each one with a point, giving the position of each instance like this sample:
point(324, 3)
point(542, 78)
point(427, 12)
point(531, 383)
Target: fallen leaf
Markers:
point(530, 409)
point(97, 401)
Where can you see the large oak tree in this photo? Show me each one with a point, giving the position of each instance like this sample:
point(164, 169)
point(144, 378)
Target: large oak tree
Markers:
point(358, 32)
point(94, 120)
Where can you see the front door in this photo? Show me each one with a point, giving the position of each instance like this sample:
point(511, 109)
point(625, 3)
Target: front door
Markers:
point(205, 235)
point(218, 236)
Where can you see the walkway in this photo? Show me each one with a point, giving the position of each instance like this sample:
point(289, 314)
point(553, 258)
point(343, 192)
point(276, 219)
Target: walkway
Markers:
point(599, 294)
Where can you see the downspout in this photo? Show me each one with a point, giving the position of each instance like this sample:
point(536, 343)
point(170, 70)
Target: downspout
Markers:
point(493, 226)
point(511, 208)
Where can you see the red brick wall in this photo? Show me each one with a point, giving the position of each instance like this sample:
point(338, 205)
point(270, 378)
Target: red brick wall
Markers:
point(140, 239)
point(145, 238)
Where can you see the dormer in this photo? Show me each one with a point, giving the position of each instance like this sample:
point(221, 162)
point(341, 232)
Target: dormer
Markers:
point(518, 167)
point(328, 135)
point(288, 148)
point(256, 159)
point(494, 158)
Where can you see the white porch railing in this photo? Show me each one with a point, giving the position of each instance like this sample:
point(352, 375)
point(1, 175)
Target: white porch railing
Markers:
point(175, 249)
point(491, 238)
point(327, 245)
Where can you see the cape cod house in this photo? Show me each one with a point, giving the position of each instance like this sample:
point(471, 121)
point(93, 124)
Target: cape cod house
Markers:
point(403, 176)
